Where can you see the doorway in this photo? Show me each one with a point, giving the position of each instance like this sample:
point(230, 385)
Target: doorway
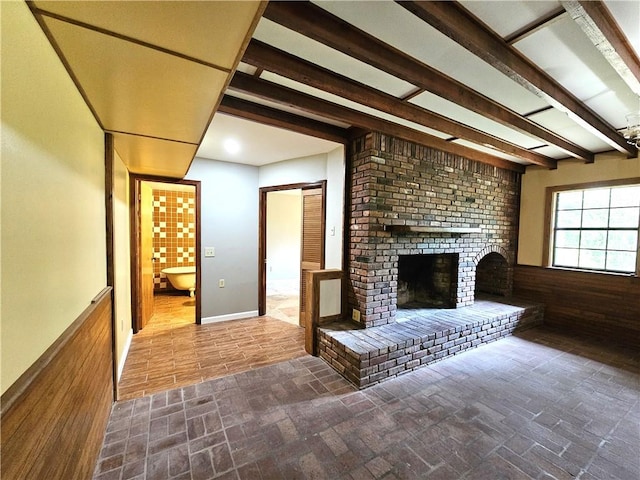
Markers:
point(292, 232)
point(284, 231)
point(166, 241)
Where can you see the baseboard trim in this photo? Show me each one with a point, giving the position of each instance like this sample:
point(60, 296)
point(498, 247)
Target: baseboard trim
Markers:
point(125, 352)
point(230, 316)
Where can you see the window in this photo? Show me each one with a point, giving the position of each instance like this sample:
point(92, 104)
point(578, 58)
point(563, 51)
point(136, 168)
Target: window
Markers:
point(596, 228)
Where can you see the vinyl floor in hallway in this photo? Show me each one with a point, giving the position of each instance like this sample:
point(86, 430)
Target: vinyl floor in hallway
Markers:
point(540, 405)
point(171, 351)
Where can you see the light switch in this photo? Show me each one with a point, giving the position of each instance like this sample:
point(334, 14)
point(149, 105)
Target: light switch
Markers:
point(209, 252)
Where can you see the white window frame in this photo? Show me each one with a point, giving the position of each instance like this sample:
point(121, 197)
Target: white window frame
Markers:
point(550, 230)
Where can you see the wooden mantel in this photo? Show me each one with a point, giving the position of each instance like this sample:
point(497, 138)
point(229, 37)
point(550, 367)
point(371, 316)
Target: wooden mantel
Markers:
point(429, 229)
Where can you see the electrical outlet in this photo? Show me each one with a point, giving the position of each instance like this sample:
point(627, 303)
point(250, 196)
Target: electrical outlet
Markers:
point(355, 315)
point(221, 283)
point(209, 252)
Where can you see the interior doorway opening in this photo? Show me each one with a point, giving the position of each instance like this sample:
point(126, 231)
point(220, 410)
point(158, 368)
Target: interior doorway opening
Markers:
point(308, 205)
point(166, 242)
point(284, 233)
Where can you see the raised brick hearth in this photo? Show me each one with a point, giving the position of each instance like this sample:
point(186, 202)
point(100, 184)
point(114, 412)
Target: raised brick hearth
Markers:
point(420, 337)
point(407, 199)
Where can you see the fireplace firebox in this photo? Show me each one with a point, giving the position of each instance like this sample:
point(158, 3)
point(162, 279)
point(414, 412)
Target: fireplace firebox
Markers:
point(427, 280)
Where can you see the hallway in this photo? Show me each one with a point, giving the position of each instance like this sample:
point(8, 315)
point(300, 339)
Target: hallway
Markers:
point(539, 405)
point(172, 351)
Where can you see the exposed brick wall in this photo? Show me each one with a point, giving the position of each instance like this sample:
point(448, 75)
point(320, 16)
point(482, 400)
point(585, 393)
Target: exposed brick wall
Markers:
point(402, 183)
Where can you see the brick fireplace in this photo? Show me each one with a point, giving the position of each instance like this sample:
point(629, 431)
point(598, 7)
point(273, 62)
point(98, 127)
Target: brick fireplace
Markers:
point(430, 234)
point(416, 209)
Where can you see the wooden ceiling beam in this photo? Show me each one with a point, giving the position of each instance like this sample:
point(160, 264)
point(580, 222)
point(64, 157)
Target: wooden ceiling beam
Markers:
point(278, 118)
point(454, 21)
point(601, 28)
point(274, 60)
point(316, 23)
point(307, 103)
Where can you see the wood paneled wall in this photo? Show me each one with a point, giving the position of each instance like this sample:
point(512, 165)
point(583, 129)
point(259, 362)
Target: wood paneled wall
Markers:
point(54, 417)
point(593, 303)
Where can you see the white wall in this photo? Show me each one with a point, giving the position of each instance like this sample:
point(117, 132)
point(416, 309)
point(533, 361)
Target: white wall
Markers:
point(329, 167)
point(296, 170)
point(53, 201)
point(284, 230)
point(607, 166)
point(229, 223)
point(335, 208)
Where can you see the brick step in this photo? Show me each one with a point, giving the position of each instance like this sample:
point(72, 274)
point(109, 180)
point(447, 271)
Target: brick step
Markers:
point(421, 336)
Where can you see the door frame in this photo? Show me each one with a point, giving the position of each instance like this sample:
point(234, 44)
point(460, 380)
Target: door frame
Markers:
point(134, 223)
point(262, 232)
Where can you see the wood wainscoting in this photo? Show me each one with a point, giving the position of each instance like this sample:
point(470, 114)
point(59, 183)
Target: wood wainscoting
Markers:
point(54, 416)
point(593, 303)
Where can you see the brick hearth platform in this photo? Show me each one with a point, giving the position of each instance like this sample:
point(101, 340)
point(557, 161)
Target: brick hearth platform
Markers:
point(421, 336)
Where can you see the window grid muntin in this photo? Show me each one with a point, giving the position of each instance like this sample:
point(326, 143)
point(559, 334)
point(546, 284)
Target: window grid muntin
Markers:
point(607, 230)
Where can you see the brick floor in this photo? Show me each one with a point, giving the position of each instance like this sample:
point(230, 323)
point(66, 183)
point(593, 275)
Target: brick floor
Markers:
point(537, 405)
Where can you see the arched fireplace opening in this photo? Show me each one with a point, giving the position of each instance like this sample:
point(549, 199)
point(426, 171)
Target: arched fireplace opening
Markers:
point(492, 275)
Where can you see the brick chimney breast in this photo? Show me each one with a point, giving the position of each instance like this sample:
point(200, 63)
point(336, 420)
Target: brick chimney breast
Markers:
point(407, 199)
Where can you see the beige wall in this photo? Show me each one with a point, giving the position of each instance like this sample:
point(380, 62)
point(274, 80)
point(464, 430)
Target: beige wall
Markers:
point(607, 166)
point(52, 205)
point(284, 230)
point(122, 255)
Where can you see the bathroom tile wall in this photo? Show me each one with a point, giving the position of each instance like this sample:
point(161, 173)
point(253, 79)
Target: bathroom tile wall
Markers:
point(174, 233)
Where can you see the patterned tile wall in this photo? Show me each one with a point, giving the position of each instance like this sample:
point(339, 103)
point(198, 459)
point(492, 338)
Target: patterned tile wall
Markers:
point(174, 233)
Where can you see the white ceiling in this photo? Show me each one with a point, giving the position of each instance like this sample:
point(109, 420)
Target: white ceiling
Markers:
point(259, 144)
